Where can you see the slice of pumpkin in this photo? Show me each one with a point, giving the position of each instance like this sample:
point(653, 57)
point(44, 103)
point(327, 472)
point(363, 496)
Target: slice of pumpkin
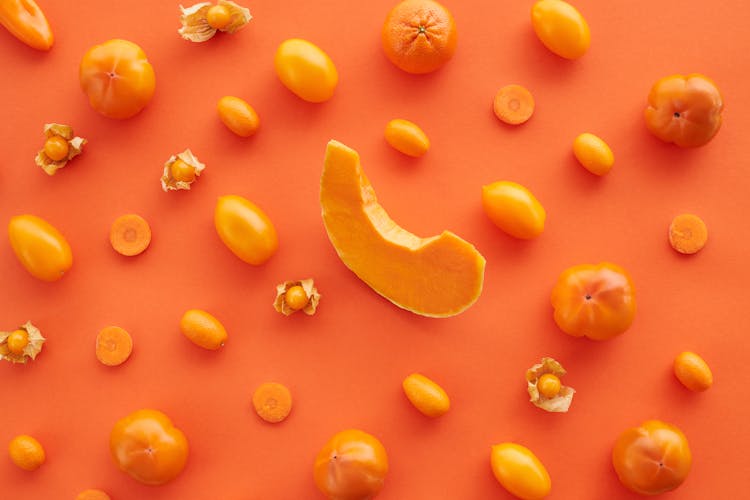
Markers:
point(437, 276)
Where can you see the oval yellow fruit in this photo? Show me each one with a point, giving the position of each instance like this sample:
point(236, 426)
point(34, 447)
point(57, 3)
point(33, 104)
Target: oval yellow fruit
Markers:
point(306, 70)
point(520, 472)
point(426, 395)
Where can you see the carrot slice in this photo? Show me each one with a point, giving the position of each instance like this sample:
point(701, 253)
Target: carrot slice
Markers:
point(92, 495)
point(113, 346)
point(513, 104)
point(272, 402)
point(130, 234)
point(687, 233)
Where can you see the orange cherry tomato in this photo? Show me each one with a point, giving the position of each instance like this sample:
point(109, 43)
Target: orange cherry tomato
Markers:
point(148, 447)
point(351, 466)
point(653, 458)
point(684, 109)
point(26, 21)
point(245, 229)
point(594, 300)
point(117, 78)
point(40, 248)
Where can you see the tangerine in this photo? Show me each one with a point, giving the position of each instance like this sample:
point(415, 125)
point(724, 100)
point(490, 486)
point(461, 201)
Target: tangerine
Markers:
point(419, 36)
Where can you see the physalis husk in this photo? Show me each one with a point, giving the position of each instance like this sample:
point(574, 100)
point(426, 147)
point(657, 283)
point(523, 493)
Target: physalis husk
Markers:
point(289, 305)
point(180, 171)
point(199, 22)
point(29, 351)
point(74, 147)
point(559, 402)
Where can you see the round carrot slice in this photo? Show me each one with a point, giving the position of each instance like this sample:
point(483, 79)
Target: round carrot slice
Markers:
point(92, 495)
point(272, 402)
point(130, 234)
point(113, 346)
point(687, 233)
point(513, 104)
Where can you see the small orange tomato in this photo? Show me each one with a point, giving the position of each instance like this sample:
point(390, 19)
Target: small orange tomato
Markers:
point(238, 116)
point(306, 70)
point(513, 209)
point(653, 458)
point(352, 465)
point(594, 300)
point(427, 396)
point(245, 229)
point(684, 109)
point(561, 28)
point(146, 446)
point(27, 22)
point(117, 78)
point(40, 248)
point(203, 329)
point(406, 137)
point(519, 471)
point(693, 372)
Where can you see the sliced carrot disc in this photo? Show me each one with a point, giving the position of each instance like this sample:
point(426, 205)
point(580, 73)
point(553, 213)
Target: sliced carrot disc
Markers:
point(130, 235)
point(688, 233)
point(513, 104)
point(272, 402)
point(113, 346)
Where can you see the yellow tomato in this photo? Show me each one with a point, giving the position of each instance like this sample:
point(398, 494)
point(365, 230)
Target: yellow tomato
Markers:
point(426, 396)
point(245, 229)
point(513, 209)
point(146, 446)
point(593, 153)
point(117, 78)
point(238, 116)
point(40, 248)
point(561, 28)
point(306, 70)
point(520, 471)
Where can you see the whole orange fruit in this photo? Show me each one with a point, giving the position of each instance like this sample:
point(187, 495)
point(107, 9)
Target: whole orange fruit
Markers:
point(419, 36)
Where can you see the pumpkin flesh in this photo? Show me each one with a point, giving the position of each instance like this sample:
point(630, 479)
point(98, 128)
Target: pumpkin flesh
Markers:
point(436, 276)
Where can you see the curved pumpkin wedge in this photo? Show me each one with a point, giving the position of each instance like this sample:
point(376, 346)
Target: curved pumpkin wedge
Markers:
point(437, 276)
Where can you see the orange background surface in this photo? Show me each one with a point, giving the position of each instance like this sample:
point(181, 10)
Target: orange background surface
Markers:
point(345, 364)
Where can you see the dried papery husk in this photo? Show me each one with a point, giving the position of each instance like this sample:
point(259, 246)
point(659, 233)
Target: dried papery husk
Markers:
point(75, 147)
point(562, 401)
point(31, 350)
point(313, 297)
point(195, 25)
point(169, 183)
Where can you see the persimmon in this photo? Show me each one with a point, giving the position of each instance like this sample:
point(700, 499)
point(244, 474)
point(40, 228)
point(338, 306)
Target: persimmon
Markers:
point(419, 36)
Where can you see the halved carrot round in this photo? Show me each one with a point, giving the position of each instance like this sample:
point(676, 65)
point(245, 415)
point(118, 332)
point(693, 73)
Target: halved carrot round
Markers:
point(272, 402)
point(513, 104)
point(113, 346)
point(688, 233)
point(130, 234)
